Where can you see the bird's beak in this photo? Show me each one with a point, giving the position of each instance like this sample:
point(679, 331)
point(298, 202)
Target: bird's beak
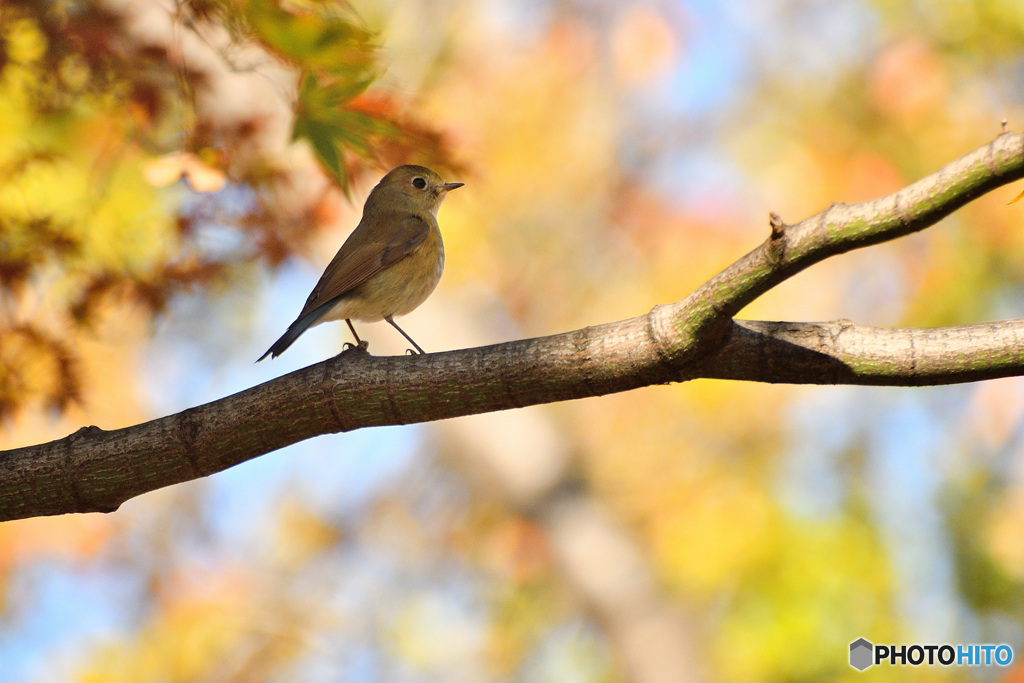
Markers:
point(451, 186)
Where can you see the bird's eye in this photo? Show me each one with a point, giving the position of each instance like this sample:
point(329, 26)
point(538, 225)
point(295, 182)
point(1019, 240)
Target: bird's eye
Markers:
point(419, 183)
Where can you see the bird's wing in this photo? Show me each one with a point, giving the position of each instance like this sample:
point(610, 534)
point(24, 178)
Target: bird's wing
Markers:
point(354, 265)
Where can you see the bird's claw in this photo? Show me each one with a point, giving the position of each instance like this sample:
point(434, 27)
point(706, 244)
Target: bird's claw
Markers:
point(349, 347)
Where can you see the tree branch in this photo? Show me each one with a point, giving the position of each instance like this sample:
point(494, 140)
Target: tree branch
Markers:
point(97, 470)
point(842, 352)
point(837, 230)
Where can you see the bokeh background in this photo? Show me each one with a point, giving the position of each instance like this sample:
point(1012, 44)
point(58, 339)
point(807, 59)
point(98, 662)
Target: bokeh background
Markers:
point(175, 177)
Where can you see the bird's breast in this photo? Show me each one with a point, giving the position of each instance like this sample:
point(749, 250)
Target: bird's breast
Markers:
point(397, 290)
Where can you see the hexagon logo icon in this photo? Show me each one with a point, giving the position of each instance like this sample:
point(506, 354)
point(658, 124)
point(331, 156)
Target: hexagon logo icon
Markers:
point(861, 654)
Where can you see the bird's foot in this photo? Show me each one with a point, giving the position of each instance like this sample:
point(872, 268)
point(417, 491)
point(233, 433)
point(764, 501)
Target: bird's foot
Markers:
point(413, 352)
point(349, 347)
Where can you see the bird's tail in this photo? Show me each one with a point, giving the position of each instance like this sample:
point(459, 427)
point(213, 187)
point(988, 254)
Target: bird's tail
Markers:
point(295, 330)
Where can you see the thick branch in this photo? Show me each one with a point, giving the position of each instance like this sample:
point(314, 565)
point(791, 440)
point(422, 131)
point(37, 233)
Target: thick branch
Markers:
point(841, 352)
point(96, 470)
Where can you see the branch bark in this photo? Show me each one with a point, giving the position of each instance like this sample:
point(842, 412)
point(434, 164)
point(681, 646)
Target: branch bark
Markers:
point(96, 470)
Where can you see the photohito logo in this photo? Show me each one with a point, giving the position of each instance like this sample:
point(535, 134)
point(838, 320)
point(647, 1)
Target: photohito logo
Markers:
point(863, 654)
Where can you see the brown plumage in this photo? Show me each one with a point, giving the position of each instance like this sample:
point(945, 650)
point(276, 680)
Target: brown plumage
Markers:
point(390, 263)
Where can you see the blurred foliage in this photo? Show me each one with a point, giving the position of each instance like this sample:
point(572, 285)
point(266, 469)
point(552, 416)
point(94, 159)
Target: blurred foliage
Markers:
point(94, 120)
point(607, 176)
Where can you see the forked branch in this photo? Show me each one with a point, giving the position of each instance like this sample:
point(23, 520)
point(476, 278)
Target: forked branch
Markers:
point(96, 470)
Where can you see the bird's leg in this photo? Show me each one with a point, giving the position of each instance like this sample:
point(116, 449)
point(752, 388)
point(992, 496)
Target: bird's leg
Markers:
point(395, 325)
point(360, 344)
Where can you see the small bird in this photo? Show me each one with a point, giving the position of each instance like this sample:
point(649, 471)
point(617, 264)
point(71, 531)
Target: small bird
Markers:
point(390, 263)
